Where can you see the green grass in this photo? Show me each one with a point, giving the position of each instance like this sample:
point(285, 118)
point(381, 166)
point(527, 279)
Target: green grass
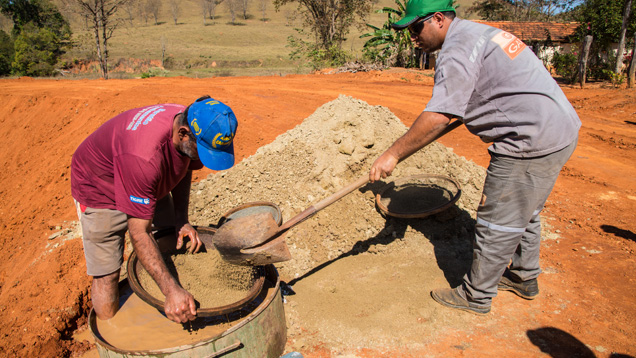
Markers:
point(253, 47)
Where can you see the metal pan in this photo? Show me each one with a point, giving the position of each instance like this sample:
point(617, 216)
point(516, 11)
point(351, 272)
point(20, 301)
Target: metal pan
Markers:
point(417, 196)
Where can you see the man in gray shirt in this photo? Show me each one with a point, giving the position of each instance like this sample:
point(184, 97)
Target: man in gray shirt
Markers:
point(501, 91)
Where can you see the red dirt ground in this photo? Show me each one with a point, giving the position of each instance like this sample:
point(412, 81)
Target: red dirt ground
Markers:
point(44, 289)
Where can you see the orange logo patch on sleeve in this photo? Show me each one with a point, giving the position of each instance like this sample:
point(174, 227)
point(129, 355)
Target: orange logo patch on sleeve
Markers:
point(508, 42)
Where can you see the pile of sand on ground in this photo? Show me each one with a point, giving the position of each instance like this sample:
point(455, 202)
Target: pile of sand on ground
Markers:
point(331, 148)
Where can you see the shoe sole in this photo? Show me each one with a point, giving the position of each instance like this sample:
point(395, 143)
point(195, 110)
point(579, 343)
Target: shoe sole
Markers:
point(477, 311)
point(516, 292)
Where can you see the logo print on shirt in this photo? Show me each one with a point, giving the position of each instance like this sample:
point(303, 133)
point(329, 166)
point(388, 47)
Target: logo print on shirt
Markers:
point(144, 117)
point(138, 200)
point(511, 45)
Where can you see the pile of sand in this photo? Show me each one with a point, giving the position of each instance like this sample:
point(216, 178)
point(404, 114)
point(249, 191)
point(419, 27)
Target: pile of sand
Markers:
point(331, 148)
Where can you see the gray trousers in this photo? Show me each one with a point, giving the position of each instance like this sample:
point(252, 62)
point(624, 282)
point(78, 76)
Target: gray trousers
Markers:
point(508, 228)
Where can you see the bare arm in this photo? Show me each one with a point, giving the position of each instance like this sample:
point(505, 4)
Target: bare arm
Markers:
point(423, 131)
point(179, 305)
point(181, 199)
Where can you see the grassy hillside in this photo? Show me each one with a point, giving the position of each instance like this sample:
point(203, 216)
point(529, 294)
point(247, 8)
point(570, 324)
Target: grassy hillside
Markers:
point(217, 48)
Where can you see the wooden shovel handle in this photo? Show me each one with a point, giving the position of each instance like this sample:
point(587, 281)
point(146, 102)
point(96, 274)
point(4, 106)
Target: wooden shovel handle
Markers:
point(307, 213)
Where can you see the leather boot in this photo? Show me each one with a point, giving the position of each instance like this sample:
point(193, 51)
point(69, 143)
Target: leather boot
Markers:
point(449, 297)
point(526, 289)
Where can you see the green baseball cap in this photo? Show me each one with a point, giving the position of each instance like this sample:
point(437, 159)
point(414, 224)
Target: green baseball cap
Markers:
point(416, 9)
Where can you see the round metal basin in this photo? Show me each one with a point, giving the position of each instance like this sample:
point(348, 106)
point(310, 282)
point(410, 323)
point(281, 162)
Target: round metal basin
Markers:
point(167, 243)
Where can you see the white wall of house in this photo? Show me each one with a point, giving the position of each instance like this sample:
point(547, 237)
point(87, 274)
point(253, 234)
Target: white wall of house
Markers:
point(546, 53)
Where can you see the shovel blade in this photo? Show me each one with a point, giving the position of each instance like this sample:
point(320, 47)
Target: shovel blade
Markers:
point(246, 232)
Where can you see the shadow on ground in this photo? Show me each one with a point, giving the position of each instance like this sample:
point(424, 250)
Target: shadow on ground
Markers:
point(560, 344)
point(450, 232)
point(625, 234)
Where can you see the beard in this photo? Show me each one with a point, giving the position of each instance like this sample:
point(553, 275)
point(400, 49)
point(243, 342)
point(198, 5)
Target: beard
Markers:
point(189, 149)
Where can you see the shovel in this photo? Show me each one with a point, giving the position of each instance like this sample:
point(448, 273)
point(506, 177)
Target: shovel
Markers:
point(258, 240)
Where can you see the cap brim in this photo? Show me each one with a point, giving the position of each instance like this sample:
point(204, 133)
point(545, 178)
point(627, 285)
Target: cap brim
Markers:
point(404, 22)
point(216, 159)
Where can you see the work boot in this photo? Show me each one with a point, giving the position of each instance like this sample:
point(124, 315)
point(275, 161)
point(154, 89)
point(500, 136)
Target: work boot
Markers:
point(526, 289)
point(449, 297)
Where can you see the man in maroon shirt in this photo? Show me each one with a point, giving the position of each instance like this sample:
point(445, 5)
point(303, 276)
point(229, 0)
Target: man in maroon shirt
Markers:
point(120, 172)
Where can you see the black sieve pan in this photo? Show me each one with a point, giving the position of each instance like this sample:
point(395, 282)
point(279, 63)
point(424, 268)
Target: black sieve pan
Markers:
point(417, 196)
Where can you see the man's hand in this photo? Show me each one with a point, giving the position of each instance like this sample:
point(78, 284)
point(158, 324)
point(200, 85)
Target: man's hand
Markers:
point(180, 306)
point(383, 166)
point(195, 241)
point(426, 128)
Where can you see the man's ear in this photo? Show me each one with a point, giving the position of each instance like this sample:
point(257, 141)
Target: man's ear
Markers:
point(183, 132)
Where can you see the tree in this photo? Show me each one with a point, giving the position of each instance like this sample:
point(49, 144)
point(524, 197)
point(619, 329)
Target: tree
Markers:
point(130, 7)
point(330, 20)
point(175, 9)
point(263, 8)
point(491, 10)
point(40, 36)
point(21, 12)
point(37, 50)
point(551, 10)
point(41, 13)
point(6, 53)
point(232, 6)
point(153, 7)
point(521, 10)
point(603, 19)
point(208, 7)
point(142, 10)
point(621, 41)
point(205, 5)
point(244, 4)
point(101, 16)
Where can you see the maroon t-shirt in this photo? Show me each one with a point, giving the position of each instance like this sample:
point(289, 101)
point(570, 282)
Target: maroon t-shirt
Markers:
point(130, 162)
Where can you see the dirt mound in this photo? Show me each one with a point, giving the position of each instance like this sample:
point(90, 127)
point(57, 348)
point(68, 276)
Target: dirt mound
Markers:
point(332, 147)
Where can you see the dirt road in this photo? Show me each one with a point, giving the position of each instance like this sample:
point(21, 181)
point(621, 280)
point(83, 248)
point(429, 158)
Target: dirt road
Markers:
point(586, 306)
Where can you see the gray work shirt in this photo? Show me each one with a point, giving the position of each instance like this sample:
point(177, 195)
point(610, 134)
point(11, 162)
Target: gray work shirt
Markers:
point(502, 92)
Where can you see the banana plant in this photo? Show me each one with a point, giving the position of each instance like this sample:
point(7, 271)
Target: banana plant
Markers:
point(391, 47)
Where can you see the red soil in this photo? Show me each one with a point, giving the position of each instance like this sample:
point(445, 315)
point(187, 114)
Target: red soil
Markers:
point(44, 291)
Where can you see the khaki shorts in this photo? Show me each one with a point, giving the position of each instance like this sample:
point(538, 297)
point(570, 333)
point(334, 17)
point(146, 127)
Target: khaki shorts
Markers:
point(104, 230)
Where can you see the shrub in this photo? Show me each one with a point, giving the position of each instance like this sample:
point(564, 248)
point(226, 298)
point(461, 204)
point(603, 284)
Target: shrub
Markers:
point(566, 66)
point(36, 51)
point(318, 57)
point(6, 53)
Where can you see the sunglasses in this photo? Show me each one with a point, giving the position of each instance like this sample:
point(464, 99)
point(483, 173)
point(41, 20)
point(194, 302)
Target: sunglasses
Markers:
point(417, 27)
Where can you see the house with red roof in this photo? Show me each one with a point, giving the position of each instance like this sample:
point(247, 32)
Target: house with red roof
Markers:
point(543, 37)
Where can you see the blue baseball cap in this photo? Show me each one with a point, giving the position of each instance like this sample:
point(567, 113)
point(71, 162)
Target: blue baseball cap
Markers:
point(214, 126)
